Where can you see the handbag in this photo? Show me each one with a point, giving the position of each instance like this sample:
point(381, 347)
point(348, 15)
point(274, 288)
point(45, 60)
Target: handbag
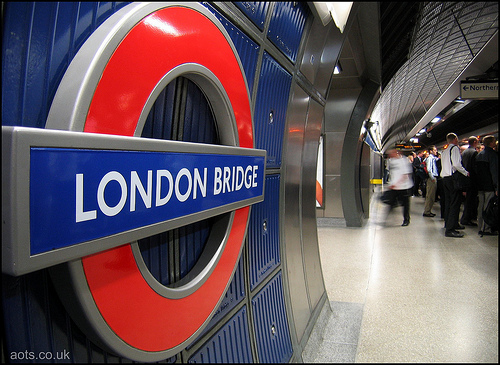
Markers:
point(460, 181)
point(490, 214)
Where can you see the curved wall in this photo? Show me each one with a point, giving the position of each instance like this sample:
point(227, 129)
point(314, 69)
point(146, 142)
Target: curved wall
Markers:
point(277, 290)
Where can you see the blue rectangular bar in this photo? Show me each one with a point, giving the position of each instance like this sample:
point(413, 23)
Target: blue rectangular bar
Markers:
point(79, 195)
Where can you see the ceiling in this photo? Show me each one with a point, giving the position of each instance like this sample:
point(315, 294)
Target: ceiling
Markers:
point(397, 22)
point(425, 47)
point(478, 118)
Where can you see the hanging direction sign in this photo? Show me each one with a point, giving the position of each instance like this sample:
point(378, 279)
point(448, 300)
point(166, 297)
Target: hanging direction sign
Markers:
point(481, 90)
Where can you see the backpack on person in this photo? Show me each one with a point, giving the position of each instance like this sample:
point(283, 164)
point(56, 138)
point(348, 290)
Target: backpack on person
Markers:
point(424, 166)
point(490, 214)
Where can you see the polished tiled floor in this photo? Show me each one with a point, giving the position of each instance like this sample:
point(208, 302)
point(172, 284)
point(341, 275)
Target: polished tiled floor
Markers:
point(406, 294)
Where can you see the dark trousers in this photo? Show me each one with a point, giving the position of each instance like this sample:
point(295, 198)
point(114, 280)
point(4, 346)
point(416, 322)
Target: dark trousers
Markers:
point(440, 193)
point(401, 197)
point(453, 199)
point(470, 205)
point(417, 181)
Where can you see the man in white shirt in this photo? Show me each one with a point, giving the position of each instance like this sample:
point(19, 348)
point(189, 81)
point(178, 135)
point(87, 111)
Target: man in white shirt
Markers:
point(451, 161)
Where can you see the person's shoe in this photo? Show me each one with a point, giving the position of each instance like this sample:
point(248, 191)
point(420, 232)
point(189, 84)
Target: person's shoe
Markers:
point(470, 224)
point(485, 233)
point(429, 215)
point(405, 223)
point(459, 227)
point(454, 234)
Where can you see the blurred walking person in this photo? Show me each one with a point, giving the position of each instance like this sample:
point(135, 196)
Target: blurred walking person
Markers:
point(400, 183)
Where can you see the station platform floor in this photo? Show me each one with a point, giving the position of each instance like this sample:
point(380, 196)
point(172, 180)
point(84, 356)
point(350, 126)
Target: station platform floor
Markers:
point(405, 294)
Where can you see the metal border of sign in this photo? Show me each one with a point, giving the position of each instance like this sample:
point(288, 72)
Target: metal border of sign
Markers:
point(17, 143)
point(111, 295)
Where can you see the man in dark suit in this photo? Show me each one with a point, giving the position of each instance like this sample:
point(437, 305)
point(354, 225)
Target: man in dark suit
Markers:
point(419, 173)
point(487, 177)
point(470, 204)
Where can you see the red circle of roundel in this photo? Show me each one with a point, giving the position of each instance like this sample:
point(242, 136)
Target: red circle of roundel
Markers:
point(161, 41)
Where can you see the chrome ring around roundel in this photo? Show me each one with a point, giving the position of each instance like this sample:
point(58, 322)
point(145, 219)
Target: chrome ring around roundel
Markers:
point(136, 48)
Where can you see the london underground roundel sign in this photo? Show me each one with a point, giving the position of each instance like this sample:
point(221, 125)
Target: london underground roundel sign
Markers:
point(109, 88)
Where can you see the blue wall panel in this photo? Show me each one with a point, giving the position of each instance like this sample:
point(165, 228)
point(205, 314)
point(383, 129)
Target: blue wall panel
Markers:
point(41, 41)
point(263, 233)
point(270, 109)
point(234, 295)
point(248, 50)
point(287, 25)
point(270, 323)
point(35, 321)
point(231, 344)
point(256, 11)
